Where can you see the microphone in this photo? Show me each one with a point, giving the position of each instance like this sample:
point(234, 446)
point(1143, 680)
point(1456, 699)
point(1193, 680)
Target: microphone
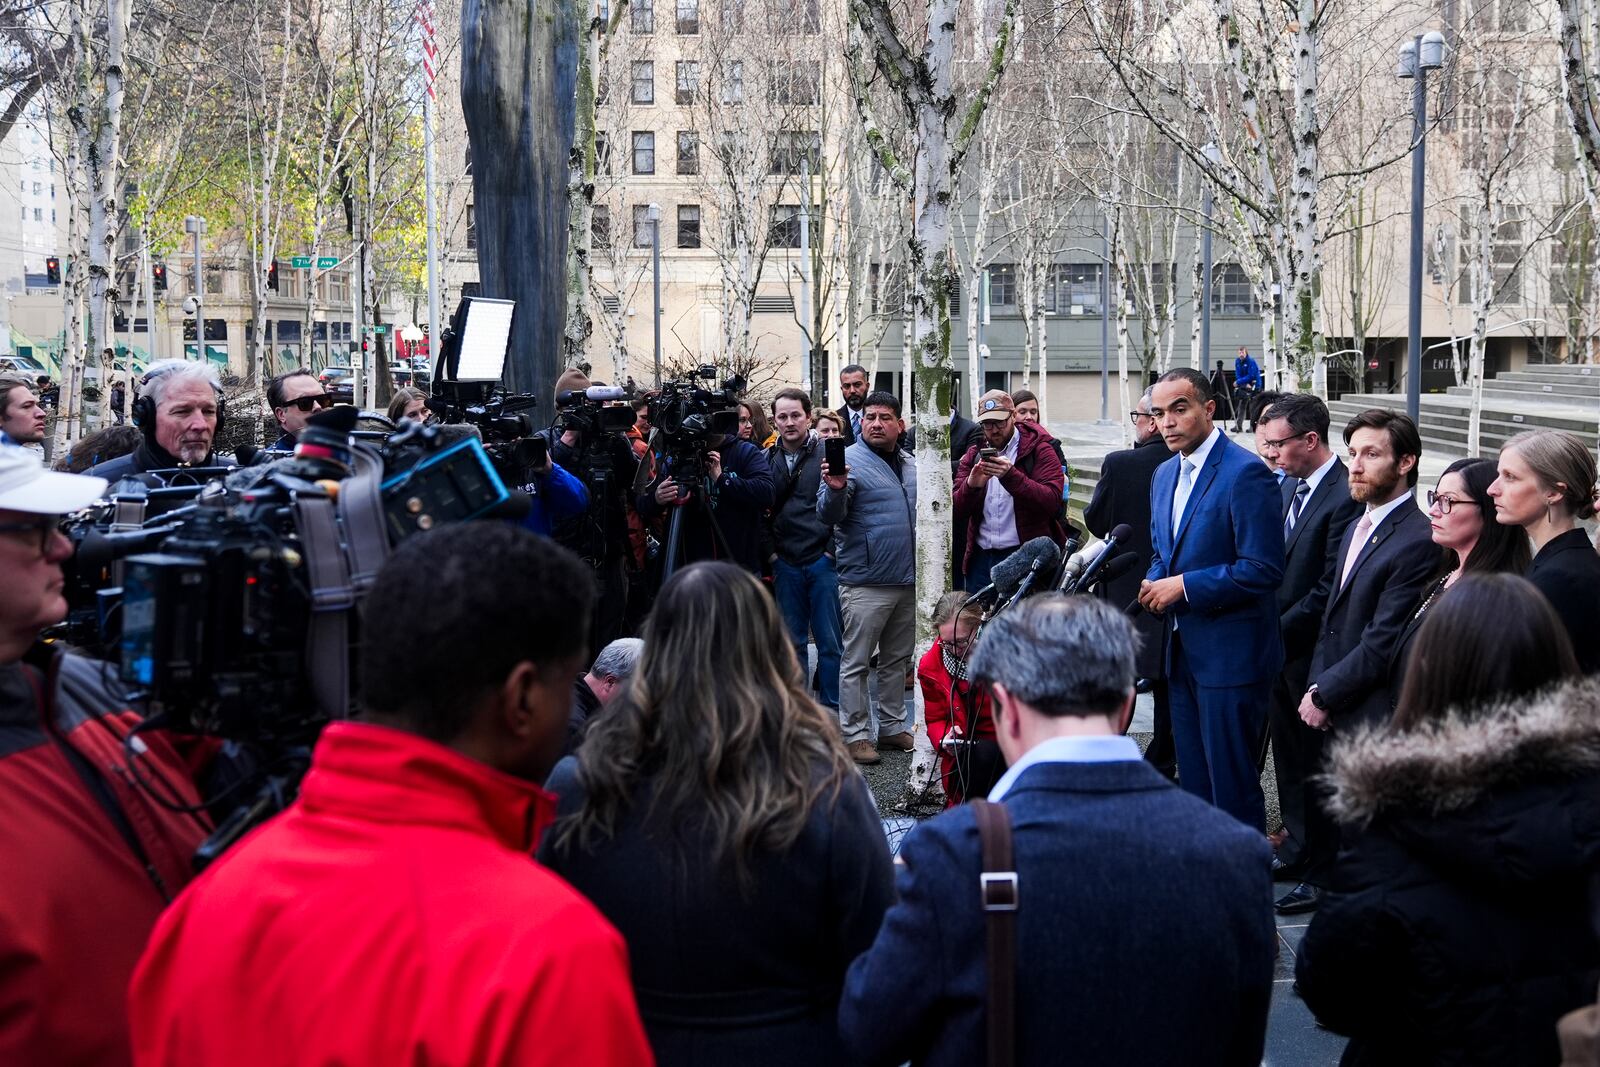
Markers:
point(1118, 536)
point(1076, 562)
point(1098, 573)
point(597, 393)
point(1010, 573)
point(1133, 609)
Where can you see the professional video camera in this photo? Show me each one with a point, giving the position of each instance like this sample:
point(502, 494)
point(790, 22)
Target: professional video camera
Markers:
point(685, 413)
point(594, 411)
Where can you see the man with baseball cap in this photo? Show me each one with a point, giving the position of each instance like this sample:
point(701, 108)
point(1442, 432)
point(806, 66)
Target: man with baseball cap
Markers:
point(91, 859)
point(1008, 488)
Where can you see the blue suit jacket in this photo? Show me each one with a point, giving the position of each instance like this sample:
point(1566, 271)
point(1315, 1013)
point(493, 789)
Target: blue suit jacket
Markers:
point(1229, 550)
point(1144, 931)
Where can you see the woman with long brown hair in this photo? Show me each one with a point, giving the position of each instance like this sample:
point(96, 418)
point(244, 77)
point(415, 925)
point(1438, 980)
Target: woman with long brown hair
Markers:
point(715, 818)
point(1457, 925)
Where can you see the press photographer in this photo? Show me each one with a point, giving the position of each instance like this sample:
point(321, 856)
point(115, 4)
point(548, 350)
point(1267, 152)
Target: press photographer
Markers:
point(589, 440)
point(720, 484)
point(180, 410)
point(91, 859)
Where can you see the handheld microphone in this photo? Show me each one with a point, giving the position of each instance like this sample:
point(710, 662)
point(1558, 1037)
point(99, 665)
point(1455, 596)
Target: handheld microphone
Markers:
point(1118, 536)
point(1014, 574)
point(1108, 572)
point(1075, 564)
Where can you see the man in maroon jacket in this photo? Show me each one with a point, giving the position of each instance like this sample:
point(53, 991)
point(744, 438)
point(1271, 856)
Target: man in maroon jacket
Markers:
point(1008, 488)
point(87, 860)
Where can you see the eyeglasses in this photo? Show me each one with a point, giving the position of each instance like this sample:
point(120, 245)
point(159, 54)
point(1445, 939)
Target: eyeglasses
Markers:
point(43, 528)
point(1137, 415)
point(306, 403)
point(1445, 503)
point(1280, 442)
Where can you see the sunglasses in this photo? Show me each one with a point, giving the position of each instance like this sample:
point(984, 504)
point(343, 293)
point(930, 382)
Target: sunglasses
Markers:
point(305, 404)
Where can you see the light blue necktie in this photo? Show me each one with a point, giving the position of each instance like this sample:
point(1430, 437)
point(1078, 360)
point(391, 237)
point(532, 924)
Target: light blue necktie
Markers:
point(1180, 499)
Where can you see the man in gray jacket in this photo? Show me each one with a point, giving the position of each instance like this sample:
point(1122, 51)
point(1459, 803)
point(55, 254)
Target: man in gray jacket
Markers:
point(872, 506)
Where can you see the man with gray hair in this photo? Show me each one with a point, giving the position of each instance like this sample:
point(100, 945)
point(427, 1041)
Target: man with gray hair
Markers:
point(612, 669)
point(1130, 899)
point(179, 410)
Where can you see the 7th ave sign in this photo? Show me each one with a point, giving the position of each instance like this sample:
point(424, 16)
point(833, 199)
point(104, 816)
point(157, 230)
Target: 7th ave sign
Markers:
point(304, 262)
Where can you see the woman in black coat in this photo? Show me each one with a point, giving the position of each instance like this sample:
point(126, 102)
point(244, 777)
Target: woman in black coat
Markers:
point(1546, 486)
point(1457, 928)
point(715, 818)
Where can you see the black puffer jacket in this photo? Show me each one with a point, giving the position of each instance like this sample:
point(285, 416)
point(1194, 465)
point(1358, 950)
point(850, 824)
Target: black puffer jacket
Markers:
point(1458, 929)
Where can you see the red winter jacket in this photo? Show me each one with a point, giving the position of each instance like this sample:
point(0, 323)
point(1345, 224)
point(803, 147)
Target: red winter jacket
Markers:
point(1034, 482)
point(936, 693)
point(393, 915)
point(83, 874)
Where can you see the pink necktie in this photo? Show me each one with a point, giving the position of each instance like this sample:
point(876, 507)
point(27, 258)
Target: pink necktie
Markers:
point(1357, 543)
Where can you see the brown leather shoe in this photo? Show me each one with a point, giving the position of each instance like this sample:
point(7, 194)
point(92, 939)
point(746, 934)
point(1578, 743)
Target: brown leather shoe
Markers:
point(900, 742)
point(863, 752)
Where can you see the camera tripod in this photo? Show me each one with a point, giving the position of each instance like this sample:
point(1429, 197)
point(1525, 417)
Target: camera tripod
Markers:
point(700, 496)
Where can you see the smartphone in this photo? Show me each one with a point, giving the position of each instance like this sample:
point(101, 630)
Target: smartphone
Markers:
point(988, 453)
point(536, 452)
point(834, 454)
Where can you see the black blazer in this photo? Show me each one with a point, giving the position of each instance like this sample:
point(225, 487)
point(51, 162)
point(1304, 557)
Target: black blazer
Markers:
point(1123, 495)
point(1350, 666)
point(1567, 572)
point(964, 433)
point(849, 431)
point(1312, 559)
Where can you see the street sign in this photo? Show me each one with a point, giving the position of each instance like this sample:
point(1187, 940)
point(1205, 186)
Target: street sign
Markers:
point(382, 327)
point(300, 262)
point(327, 262)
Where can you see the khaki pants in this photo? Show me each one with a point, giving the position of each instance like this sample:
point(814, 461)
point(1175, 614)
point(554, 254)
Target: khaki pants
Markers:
point(881, 618)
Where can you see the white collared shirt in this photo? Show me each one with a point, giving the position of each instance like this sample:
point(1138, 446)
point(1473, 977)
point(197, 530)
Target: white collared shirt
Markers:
point(999, 526)
point(1196, 460)
point(1314, 479)
point(1383, 511)
point(1085, 748)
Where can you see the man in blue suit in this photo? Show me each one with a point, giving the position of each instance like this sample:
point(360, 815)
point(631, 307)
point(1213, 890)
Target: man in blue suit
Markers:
point(1216, 530)
point(1134, 901)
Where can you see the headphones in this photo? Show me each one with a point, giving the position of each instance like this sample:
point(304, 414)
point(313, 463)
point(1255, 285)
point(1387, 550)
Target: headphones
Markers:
point(144, 407)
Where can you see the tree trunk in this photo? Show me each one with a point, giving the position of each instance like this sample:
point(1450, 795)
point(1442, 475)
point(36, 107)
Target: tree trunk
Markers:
point(518, 84)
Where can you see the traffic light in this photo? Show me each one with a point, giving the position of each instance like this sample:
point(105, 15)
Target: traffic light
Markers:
point(159, 272)
point(272, 276)
point(52, 270)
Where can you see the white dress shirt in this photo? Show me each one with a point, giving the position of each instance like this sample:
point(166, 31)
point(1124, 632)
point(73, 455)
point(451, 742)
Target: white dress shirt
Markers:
point(1197, 459)
point(1083, 748)
point(999, 526)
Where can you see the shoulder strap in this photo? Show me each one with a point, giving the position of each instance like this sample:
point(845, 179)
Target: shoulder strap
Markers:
point(997, 887)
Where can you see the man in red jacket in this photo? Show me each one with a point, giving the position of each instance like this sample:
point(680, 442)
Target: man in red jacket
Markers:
point(393, 914)
point(87, 860)
point(1008, 488)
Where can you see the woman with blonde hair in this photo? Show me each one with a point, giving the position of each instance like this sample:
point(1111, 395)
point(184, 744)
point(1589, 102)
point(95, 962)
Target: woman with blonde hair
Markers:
point(715, 818)
point(828, 424)
point(1546, 485)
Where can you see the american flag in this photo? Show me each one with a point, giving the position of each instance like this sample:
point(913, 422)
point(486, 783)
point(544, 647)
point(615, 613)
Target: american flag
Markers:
point(430, 47)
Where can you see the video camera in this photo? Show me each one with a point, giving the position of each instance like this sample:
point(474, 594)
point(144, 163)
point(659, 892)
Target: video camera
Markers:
point(685, 413)
point(593, 411)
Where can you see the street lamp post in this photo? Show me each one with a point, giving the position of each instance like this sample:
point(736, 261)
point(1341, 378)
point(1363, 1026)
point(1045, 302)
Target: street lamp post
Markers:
point(196, 225)
point(1422, 53)
point(653, 213)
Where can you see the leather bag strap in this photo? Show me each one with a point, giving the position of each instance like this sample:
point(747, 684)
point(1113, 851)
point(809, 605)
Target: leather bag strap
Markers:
point(997, 887)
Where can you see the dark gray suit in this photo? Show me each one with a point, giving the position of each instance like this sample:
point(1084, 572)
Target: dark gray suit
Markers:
point(1311, 566)
point(1362, 622)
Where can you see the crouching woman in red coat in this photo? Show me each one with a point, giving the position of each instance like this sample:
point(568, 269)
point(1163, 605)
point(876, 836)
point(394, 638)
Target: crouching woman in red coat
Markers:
point(960, 720)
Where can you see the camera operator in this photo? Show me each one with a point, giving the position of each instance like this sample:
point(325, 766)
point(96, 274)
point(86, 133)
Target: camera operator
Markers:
point(90, 859)
point(393, 913)
point(599, 532)
point(740, 490)
point(179, 410)
point(558, 497)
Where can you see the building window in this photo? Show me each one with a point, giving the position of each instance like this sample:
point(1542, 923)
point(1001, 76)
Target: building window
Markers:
point(602, 154)
point(643, 15)
point(643, 228)
point(472, 227)
point(688, 81)
point(791, 147)
point(801, 16)
point(1506, 255)
point(644, 152)
point(1073, 289)
point(688, 16)
point(600, 227)
point(785, 229)
point(38, 187)
point(733, 84)
point(733, 16)
point(688, 225)
point(793, 82)
point(1003, 285)
point(1231, 291)
point(644, 81)
point(688, 152)
point(38, 214)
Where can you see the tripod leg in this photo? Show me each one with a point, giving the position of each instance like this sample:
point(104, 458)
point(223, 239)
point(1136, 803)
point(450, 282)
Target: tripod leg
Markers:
point(674, 544)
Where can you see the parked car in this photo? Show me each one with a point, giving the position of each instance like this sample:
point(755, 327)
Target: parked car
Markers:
point(339, 384)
